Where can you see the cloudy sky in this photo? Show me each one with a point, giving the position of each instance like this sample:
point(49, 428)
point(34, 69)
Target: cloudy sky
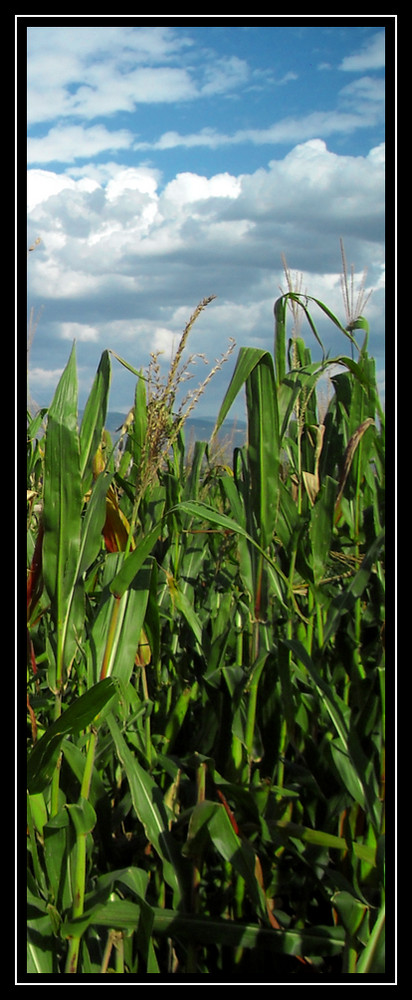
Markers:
point(167, 164)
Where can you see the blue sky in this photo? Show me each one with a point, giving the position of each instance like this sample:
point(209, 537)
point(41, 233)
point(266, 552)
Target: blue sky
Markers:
point(167, 164)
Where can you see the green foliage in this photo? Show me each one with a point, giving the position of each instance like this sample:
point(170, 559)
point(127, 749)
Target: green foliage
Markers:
point(206, 677)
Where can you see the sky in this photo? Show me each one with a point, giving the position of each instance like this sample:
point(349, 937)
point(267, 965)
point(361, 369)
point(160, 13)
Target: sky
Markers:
point(167, 164)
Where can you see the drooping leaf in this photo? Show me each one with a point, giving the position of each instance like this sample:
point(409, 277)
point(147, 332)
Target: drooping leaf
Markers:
point(86, 709)
point(150, 810)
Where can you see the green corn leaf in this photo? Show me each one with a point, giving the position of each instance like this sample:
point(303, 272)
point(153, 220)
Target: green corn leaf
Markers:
point(178, 712)
point(317, 940)
point(247, 360)
point(205, 513)
point(140, 421)
point(321, 527)
point(56, 858)
point(198, 832)
point(355, 588)
point(63, 501)
point(133, 562)
point(93, 421)
point(92, 523)
point(263, 446)
point(120, 914)
point(348, 751)
point(118, 624)
point(149, 807)
point(126, 364)
point(83, 816)
point(304, 299)
point(40, 937)
point(240, 854)
point(86, 709)
point(327, 840)
point(191, 489)
point(280, 339)
point(183, 604)
point(372, 958)
point(352, 911)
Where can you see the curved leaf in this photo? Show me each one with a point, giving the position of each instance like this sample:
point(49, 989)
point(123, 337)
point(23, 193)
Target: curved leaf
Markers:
point(149, 807)
point(85, 710)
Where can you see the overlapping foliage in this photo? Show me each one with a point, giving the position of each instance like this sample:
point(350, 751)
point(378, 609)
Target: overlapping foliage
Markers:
point(206, 699)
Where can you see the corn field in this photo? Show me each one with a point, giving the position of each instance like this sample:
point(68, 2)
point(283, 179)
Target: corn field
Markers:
point(206, 673)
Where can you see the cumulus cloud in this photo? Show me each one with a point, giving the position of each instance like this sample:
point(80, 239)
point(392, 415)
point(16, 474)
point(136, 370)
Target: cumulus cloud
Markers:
point(161, 173)
point(188, 187)
point(124, 259)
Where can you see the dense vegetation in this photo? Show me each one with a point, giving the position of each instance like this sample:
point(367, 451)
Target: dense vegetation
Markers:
point(206, 698)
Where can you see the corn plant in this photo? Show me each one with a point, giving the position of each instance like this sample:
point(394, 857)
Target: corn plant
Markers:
point(206, 675)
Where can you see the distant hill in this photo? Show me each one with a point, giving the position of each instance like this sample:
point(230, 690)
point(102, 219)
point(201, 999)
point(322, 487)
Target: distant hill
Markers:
point(233, 432)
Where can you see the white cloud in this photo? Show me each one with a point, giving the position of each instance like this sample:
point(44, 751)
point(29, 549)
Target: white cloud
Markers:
point(363, 92)
point(188, 187)
point(101, 70)
point(44, 184)
point(78, 331)
point(67, 143)
point(287, 78)
point(364, 112)
point(132, 179)
point(164, 341)
point(221, 75)
point(123, 262)
point(133, 218)
point(106, 70)
point(44, 378)
point(370, 56)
